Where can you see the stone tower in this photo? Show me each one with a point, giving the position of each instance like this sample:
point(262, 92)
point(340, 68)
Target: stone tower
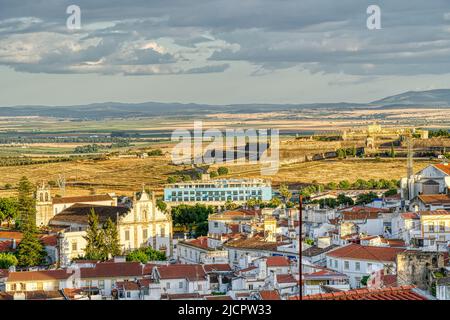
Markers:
point(44, 207)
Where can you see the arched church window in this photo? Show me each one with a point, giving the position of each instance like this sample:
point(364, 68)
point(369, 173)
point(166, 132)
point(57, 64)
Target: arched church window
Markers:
point(41, 197)
point(46, 196)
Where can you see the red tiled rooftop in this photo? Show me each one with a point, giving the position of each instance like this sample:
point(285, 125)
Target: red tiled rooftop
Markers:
point(269, 295)
point(81, 199)
point(8, 235)
point(435, 198)
point(277, 262)
point(113, 269)
point(444, 168)
point(410, 215)
point(358, 252)
point(286, 278)
point(43, 275)
point(128, 285)
point(392, 293)
point(224, 267)
point(192, 272)
point(200, 242)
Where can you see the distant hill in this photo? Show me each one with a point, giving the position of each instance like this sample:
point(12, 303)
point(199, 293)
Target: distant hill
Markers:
point(97, 111)
point(431, 98)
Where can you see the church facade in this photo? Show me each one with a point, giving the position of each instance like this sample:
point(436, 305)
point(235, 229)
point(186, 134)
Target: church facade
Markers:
point(140, 223)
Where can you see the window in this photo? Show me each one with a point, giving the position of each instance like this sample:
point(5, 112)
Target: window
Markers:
point(145, 234)
point(128, 294)
point(369, 267)
point(74, 246)
point(346, 265)
point(335, 264)
point(250, 287)
point(180, 284)
point(442, 226)
point(101, 284)
point(13, 287)
point(199, 287)
point(357, 266)
point(127, 235)
point(168, 285)
point(23, 286)
point(216, 224)
point(431, 227)
point(163, 232)
point(358, 282)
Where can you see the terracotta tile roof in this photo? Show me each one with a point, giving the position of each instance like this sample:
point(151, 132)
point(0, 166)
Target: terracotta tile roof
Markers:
point(50, 240)
point(324, 274)
point(8, 235)
point(362, 209)
point(4, 273)
point(358, 252)
point(145, 282)
point(243, 294)
point(277, 262)
point(247, 269)
point(224, 267)
point(392, 293)
point(435, 198)
point(127, 285)
point(359, 215)
point(200, 242)
point(182, 296)
point(410, 215)
point(78, 213)
point(314, 250)
point(112, 269)
point(434, 213)
point(148, 268)
point(25, 276)
point(81, 199)
point(254, 243)
point(269, 295)
point(192, 272)
point(444, 168)
point(7, 246)
point(286, 278)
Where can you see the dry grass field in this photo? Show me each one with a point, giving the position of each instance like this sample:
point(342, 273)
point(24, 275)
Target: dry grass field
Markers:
point(124, 176)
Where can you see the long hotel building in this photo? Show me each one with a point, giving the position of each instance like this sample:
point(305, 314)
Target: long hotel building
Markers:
point(217, 192)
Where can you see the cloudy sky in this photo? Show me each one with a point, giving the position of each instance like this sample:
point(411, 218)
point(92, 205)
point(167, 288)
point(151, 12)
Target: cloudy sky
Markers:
point(220, 51)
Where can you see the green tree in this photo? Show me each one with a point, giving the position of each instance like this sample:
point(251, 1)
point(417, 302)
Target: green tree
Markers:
point(222, 171)
point(285, 193)
point(161, 205)
point(344, 185)
point(30, 251)
point(143, 255)
point(275, 202)
point(201, 229)
point(8, 209)
point(366, 198)
point(137, 256)
point(111, 239)
point(26, 205)
point(390, 192)
point(213, 174)
point(7, 260)
point(342, 199)
point(95, 246)
point(230, 205)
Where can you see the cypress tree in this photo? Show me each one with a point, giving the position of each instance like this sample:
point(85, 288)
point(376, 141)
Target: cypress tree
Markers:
point(95, 247)
point(111, 239)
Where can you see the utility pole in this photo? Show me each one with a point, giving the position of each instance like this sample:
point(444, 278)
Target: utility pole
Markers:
point(300, 267)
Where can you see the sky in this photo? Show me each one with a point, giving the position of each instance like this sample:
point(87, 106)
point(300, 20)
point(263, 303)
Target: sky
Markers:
point(220, 51)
